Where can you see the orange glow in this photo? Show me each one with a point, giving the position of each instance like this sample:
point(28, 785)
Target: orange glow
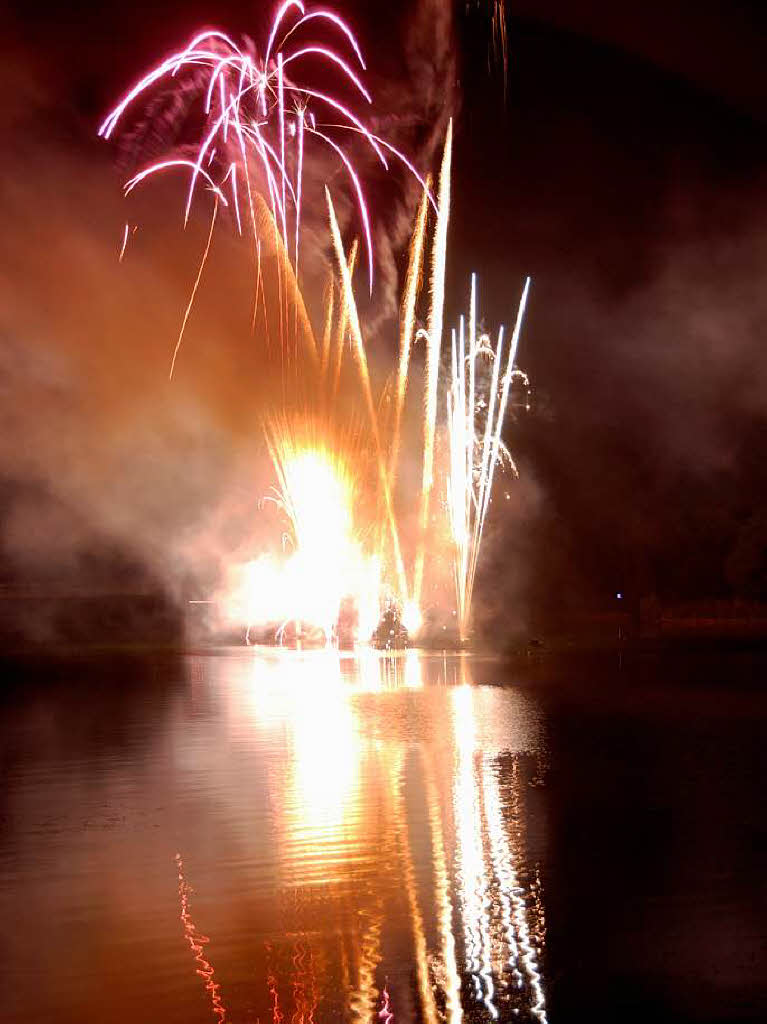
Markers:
point(325, 562)
point(411, 617)
point(431, 845)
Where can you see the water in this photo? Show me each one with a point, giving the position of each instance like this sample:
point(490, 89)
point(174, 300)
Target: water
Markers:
point(285, 837)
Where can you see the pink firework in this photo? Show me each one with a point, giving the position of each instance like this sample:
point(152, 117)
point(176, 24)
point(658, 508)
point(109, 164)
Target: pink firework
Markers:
point(257, 114)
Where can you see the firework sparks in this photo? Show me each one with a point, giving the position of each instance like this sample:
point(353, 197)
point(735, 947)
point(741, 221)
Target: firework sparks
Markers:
point(412, 287)
point(361, 356)
point(472, 462)
point(343, 322)
point(257, 112)
point(434, 345)
point(195, 286)
point(328, 327)
point(124, 244)
point(127, 232)
point(500, 42)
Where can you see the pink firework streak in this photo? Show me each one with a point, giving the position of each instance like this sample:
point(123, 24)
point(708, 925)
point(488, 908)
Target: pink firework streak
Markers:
point(257, 113)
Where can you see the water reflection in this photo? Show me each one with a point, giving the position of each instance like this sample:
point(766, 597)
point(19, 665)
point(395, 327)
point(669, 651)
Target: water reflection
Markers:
point(197, 942)
point(397, 792)
point(361, 840)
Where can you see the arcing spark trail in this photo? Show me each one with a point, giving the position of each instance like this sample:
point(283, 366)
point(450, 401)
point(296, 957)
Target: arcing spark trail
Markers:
point(258, 111)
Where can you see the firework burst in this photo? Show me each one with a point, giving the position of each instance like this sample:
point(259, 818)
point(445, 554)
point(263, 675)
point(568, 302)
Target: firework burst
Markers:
point(327, 556)
point(475, 419)
point(257, 111)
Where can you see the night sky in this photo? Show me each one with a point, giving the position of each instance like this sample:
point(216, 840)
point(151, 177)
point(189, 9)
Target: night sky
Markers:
point(625, 171)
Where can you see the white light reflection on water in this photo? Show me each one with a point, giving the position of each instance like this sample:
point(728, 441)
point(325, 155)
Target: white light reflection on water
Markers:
point(397, 787)
point(471, 873)
point(496, 918)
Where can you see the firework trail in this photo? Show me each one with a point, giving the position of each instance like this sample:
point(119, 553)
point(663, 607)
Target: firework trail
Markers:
point(289, 282)
point(343, 324)
point(412, 287)
point(359, 351)
point(500, 42)
point(496, 439)
point(195, 286)
point(124, 244)
point(251, 105)
point(329, 303)
point(258, 111)
point(472, 462)
point(434, 344)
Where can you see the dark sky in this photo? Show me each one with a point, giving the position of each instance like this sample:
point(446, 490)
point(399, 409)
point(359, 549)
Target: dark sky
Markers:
point(626, 173)
point(628, 177)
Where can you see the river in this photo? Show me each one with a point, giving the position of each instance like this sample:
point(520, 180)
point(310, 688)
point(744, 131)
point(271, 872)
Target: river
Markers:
point(254, 835)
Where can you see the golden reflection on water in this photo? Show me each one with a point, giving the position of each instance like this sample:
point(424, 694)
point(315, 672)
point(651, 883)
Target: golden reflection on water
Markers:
point(399, 810)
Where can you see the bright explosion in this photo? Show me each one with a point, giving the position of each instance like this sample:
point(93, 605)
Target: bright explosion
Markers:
point(326, 582)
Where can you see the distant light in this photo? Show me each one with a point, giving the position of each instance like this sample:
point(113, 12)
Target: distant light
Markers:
point(619, 595)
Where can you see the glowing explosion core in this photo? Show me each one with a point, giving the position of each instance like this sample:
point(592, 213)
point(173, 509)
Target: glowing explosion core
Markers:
point(326, 564)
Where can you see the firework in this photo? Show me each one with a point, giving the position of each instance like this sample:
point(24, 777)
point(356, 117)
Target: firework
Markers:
point(196, 285)
point(434, 344)
point(342, 326)
point(500, 43)
point(257, 111)
point(359, 350)
point(412, 287)
point(475, 448)
point(254, 109)
point(326, 558)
